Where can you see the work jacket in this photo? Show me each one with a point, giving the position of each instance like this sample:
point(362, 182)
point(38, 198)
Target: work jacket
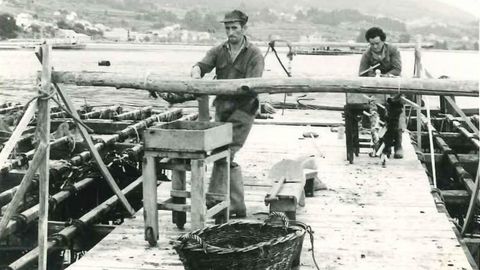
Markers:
point(390, 64)
point(249, 63)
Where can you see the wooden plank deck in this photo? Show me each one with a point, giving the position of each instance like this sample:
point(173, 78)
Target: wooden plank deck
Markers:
point(368, 218)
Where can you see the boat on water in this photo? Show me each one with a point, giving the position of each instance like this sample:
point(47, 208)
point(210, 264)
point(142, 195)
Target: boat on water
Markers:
point(326, 51)
point(60, 44)
point(57, 43)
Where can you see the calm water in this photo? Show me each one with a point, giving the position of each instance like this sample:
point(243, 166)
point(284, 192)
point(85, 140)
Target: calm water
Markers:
point(18, 69)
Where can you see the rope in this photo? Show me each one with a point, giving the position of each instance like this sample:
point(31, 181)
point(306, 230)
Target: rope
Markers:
point(74, 143)
point(78, 121)
point(271, 44)
point(310, 232)
point(136, 132)
point(145, 79)
point(430, 139)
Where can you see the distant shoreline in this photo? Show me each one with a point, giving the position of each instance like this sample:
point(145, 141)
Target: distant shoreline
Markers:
point(106, 44)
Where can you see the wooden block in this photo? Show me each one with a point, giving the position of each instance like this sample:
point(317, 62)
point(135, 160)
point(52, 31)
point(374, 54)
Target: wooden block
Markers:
point(310, 176)
point(289, 196)
point(189, 136)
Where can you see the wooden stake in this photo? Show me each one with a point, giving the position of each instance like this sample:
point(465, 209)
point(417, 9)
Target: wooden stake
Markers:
point(96, 156)
point(17, 133)
point(22, 188)
point(43, 128)
point(471, 207)
point(417, 74)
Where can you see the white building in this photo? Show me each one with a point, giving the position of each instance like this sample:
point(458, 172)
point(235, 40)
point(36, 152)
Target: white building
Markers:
point(71, 36)
point(72, 16)
point(24, 20)
point(117, 34)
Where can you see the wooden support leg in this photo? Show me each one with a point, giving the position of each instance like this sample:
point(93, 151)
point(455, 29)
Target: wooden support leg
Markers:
point(199, 209)
point(178, 183)
point(150, 213)
point(355, 134)
point(348, 133)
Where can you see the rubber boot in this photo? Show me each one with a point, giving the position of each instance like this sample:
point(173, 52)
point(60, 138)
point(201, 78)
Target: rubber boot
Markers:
point(217, 185)
point(398, 145)
point(237, 193)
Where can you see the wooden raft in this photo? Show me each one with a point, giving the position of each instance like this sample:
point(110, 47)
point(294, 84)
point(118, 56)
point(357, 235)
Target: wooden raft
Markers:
point(369, 217)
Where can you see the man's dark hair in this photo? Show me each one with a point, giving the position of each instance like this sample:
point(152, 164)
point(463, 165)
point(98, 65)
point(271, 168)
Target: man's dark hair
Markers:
point(375, 32)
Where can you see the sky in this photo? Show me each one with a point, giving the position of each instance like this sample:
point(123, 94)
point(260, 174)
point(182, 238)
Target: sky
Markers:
point(470, 6)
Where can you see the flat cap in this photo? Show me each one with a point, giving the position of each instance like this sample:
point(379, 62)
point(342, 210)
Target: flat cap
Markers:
point(235, 16)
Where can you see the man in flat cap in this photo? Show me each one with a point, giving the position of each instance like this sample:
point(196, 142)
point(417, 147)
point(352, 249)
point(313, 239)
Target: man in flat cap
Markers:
point(234, 59)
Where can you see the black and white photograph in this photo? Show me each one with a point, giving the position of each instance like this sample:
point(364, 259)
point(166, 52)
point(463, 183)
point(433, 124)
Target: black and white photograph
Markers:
point(239, 135)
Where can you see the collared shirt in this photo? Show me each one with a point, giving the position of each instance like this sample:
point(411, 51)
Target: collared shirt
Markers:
point(234, 54)
point(391, 63)
point(249, 63)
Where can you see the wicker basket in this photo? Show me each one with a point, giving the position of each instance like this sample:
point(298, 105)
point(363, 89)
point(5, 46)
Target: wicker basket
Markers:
point(242, 245)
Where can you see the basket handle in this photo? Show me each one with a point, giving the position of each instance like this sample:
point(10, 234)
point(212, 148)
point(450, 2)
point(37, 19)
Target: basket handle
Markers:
point(280, 215)
point(194, 238)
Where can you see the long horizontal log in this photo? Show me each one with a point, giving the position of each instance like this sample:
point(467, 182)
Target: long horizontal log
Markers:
point(159, 83)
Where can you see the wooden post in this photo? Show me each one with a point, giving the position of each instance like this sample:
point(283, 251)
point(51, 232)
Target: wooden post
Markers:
point(43, 131)
point(150, 211)
point(199, 209)
point(417, 74)
point(179, 183)
point(203, 108)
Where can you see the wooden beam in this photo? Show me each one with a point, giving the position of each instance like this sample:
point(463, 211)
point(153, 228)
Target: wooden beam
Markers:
point(38, 158)
point(455, 196)
point(462, 114)
point(43, 128)
point(159, 83)
point(17, 133)
point(96, 156)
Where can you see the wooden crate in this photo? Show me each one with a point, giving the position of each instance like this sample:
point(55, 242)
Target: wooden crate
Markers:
point(188, 136)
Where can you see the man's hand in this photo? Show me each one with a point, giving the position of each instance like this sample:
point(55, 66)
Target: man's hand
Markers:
point(196, 73)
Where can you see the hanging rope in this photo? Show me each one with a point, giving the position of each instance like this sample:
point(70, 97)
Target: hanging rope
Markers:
point(290, 53)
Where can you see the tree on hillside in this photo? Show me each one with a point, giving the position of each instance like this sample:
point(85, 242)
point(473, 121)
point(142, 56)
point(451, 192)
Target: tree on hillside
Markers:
point(404, 38)
point(8, 26)
point(267, 15)
point(193, 19)
point(361, 35)
point(211, 23)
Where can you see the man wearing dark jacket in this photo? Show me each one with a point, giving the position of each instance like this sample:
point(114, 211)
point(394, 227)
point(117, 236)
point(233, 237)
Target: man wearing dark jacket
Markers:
point(234, 59)
point(384, 59)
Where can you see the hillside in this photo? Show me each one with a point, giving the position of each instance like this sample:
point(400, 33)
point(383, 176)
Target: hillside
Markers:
point(405, 10)
point(338, 20)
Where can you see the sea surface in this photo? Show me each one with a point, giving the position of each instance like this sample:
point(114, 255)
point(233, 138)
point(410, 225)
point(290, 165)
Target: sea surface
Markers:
point(18, 70)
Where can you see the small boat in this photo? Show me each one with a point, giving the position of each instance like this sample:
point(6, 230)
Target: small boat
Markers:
point(326, 51)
